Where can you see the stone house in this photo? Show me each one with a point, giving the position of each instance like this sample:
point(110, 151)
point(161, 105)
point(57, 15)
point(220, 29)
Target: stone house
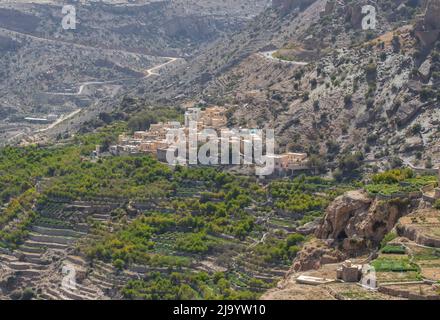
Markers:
point(349, 272)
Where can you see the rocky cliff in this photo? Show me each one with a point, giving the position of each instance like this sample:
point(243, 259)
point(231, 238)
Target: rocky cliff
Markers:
point(427, 28)
point(356, 222)
point(289, 5)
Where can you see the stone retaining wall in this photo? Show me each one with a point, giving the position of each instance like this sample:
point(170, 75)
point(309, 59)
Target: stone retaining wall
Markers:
point(398, 292)
point(414, 235)
point(55, 232)
point(51, 239)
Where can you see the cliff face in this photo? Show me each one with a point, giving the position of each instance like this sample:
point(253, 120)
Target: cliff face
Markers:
point(427, 28)
point(287, 6)
point(354, 224)
point(432, 21)
point(340, 216)
point(357, 222)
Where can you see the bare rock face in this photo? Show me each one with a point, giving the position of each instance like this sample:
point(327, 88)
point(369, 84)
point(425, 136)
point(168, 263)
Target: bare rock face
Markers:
point(425, 69)
point(315, 254)
point(285, 6)
point(428, 28)
point(407, 111)
point(354, 14)
point(432, 21)
point(412, 144)
point(309, 228)
point(358, 223)
point(341, 212)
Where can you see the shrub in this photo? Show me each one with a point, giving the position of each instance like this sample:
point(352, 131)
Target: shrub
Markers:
point(348, 100)
point(428, 163)
point(396, 43)
point(393, 176)
point(15, 295)
point(437, 204)
point(371, 72)
point(350, 162)
point(316, 105)
point(370, 103)
point(306, 96)
point(416, 128)
point(426, 94)
point(27, 294)
point(119, 264)
point(388, 237)
point(294, 239)
point(390, 249)
point(396, 162)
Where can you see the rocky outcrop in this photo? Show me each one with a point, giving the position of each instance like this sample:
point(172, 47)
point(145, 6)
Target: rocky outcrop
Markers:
point(353, 225)
point(341, 213)
point(315, 254)
point(354, 15)
point(286, 6)
point(427, 29)
point(432, 21)
point(407, 111)
point(357, 223)
point(309, 228)
point(425, 70)
point(412, 144)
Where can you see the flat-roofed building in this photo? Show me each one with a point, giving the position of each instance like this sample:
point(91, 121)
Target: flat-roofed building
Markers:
point(214, 117)
point(140, 135)
point(148, 147)
point(296, 157)
point(349, 272)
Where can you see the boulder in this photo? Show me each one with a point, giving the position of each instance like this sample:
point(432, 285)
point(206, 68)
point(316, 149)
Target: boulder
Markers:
point(407, 111)
point(358, 223)
point(412, 144)
point(425, 70)
point(309, 228)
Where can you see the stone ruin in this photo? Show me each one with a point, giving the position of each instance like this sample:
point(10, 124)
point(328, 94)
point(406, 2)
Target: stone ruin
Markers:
point(349, 272)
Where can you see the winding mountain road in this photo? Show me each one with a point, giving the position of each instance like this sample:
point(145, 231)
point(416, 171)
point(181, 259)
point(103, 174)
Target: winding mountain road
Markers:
point(154, 71)
point(269, 55)
point(148, 73)
point(60, 120)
